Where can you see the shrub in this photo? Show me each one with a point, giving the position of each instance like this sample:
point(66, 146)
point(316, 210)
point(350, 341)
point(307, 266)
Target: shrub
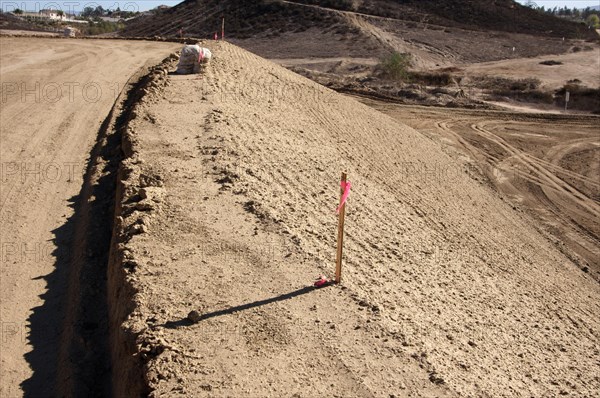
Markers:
point(538, 96)
point(98, 28)
point(503, 84)
point(395, 66)
point(551, 62)
point(525, 84)
point(593, 21)
point(433, 78)
point(582, 98)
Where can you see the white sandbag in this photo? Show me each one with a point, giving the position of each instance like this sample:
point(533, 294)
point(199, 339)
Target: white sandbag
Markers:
point(192, 56)
point(206, 55)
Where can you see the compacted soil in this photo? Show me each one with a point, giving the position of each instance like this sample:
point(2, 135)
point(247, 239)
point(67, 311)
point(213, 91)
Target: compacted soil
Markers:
point(56, 95)
point(226, 215)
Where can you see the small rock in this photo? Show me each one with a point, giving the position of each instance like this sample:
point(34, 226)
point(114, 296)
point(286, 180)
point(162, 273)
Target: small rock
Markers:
point(144, 194)
point(144, 206)
point(194, 316)
point(153, 193)
point(137, 229)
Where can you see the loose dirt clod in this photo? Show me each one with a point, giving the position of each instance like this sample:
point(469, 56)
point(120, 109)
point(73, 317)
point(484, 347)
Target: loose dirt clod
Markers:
point(194, 316)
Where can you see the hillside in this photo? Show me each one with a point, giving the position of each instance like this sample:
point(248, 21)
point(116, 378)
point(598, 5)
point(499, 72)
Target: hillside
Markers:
point(260, 21)
point(202, 18)
point(437, 34)
point(10, 22)
point(498, 15)
point(226, 216)
point(249, 18)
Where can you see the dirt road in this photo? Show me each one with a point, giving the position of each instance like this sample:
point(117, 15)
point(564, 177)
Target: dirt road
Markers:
point(582, 65)
point(56, 94)
point(228, 210)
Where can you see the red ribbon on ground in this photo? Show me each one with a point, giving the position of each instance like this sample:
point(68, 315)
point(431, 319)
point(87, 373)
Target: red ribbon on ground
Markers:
point(346, 187)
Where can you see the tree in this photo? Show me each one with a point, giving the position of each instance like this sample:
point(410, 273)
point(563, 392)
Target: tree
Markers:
point(593, 21)
point(87, 12)
point(18, 11)
point(99, 11)
point(531, 4)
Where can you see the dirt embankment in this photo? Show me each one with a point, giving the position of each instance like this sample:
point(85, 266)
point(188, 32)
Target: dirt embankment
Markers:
point(154, 344)
point(226, 208)
point(127, 365)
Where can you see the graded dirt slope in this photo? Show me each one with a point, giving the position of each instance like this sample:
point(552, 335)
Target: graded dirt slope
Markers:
point(548, 165)
point(227, 208)
point(55, 96)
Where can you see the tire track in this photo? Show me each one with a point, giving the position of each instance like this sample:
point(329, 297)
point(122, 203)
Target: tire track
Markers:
point(550, 180)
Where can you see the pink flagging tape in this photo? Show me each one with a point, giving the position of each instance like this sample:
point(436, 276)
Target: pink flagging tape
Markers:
point(346, 187)
point(322, 281)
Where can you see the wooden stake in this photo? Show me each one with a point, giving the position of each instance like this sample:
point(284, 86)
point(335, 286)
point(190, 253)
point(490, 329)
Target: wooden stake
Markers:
point(340, 241)
point(223, 29)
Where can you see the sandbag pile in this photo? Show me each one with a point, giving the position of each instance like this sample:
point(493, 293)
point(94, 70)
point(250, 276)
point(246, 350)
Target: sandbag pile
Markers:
point(192, 57)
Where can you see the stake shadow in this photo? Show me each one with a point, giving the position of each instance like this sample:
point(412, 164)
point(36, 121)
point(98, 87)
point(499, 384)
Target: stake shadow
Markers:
point(243, 307)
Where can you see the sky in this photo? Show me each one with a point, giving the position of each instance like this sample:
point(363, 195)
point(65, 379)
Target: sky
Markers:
point(568, 3)
point(131, 5)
